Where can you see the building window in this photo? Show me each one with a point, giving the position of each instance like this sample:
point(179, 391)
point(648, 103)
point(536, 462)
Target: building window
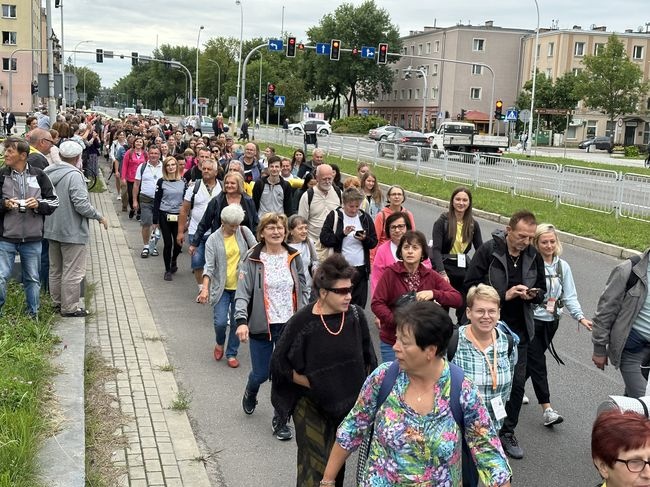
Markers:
point(550, 49)
point(637, 53)
point(571, 133)
point(419, 49)
point(579, 49)
point(539, 49)
point(417, 93)
point(477, 69)
point(425, 68)
point(410, 94)
point(478, 45)
point(591, 128)
point(404, 50)
point(8, 11)
point(475, 93)
point(647, 104)
point(8, 38)
point(577, 71)
point(428, 51)
point(436, 46)
point(402, 94)
point(5, 64)
point(598, 48)
point(549, 73)
point(434, 93)
point(395, 95)
point(435, 70)
point(413, 50)
point(646, 133)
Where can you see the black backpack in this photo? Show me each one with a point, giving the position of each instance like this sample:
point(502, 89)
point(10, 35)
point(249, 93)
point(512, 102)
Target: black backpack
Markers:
point(632, 278)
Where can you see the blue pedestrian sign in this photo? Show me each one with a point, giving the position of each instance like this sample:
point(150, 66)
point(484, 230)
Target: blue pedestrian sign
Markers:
point(278, 101)
point(367, 52)
point(323, 48)
point(511, 115)
point(276, 45)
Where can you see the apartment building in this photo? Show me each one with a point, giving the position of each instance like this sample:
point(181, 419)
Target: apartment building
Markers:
point(561, 51)
point(23, 30)
point(485, 56)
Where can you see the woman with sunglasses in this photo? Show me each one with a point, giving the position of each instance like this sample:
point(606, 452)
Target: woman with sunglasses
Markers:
point(167, 202)
point(270, 289)
point(319, 365)
point(404, 281)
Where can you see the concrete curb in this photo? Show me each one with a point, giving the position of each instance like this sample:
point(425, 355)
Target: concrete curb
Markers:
point(62, 459)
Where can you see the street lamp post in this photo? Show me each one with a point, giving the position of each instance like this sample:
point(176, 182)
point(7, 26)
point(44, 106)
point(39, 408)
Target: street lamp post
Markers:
point(196, 101)
point(239, 67)
point(75, 50)
point(529, 140)
point(63, 100)
point(423, 74)
point(218, 84)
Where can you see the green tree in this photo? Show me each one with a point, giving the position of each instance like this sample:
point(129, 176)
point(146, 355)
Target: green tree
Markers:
point(351, 76)
point(611, 82)
point(88, 82)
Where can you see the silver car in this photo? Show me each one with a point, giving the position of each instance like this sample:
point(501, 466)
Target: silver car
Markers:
point(382, 133)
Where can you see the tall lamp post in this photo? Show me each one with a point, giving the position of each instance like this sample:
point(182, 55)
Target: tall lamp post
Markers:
point(529, 140)
point(75, 50)
point(196, 100)
point(421, 74)
point(241, 43)
point(218, 84)
point(63, 100)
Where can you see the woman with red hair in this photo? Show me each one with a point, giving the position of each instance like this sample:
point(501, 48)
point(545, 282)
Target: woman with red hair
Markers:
point(620, 448)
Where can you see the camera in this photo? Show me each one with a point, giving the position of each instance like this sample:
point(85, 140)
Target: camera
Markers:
point(21, 206)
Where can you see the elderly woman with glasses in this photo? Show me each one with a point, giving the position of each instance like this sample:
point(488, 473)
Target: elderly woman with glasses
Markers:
point(270, 289)
point(395, 200)
point(319, 365)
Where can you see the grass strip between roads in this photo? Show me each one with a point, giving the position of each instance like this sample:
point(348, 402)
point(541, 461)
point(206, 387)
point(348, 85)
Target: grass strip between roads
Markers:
point(26, 408)
point(566, 161)
point(625, 232)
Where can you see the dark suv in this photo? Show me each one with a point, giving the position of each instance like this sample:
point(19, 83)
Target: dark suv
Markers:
point(600, 143)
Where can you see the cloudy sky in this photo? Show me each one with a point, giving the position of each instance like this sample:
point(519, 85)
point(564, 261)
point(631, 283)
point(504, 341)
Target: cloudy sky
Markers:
point(124, 26)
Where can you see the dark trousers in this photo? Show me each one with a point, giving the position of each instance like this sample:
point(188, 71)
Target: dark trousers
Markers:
point(456, 277)
point(171, 249)
point(129, 193)
point(536, 364)
point(360, 287)
point(513, 406)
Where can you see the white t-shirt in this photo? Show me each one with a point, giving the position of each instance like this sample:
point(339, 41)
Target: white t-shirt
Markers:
point(201, 201)
point(352, 248)
point(148, 177)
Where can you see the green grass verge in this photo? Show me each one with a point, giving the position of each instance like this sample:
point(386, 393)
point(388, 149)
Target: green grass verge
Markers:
point(25, 374)
point(625, 232)
point(567, 161)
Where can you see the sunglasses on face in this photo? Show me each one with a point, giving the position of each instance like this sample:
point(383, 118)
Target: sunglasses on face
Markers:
point(340, 290)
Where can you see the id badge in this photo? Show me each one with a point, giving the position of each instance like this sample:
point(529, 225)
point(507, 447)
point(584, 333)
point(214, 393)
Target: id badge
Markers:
point(550, 305)
point(172, 217)
point(462, 260)
point(498, 408)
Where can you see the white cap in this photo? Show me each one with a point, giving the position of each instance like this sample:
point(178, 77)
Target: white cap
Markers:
point(70, 149)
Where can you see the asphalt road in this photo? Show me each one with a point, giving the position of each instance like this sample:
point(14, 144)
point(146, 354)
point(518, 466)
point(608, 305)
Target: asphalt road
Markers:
point(241, 451)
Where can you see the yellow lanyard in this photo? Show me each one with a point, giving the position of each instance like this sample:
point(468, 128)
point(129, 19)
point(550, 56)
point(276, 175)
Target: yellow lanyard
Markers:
point(492, 367)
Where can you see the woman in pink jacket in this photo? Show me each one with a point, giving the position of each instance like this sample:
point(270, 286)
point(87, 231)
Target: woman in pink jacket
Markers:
point(395, 196)
point(132, 159)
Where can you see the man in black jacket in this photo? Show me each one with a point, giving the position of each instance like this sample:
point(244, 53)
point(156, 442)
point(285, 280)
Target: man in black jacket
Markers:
point(511, 265)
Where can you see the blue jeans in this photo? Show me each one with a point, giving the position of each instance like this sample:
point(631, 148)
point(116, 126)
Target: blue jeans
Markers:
point(261, 350)
point(387, 352)
point(30, 261)
point(198, 259)
point(221, 313)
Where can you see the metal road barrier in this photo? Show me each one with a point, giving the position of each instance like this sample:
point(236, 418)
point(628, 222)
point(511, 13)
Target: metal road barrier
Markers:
point(622, 194)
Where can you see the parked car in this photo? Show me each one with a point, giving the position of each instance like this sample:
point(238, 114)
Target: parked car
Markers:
point(406, 143)
point(205, 123)
point(381, 133)
point(323, 127)
point(157, 114)
point(600, 143)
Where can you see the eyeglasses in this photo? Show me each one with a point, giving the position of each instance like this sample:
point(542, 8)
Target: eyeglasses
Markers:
point(635, 465)
point(342, 291)
point(274, 228)
point(400, 226)
point(48, 140)
point(490, 312)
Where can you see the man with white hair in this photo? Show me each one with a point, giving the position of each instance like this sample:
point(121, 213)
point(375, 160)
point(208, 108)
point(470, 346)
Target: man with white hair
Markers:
point(67, 231)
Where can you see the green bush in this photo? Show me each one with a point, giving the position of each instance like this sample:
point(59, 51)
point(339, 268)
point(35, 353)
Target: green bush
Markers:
point(357, 125)
point(631, 151)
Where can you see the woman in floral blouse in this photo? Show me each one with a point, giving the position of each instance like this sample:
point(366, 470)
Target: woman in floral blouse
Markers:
point(416, 440)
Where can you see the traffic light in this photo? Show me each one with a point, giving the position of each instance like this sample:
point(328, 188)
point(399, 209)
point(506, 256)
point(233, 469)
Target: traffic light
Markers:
point(57, 3)
point(291, 47)
point(383, 53)
point(301, 47)
point(100, 55)
point(34, 87)
point(335, 50)
point(355, 51)
point(462, 113)
point(498, 110)
point(134, 59)
point(270, 96)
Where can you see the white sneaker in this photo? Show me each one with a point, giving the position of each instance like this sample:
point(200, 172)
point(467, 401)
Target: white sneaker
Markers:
point(525, 400)
point(119, 198)
point(551, 417)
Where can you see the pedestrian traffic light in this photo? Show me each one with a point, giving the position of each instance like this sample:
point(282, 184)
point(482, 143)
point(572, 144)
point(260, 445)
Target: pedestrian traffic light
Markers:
point(270, 99)
point(463, 112)
point(383, 53)
point(34, 87)
point(355, 51)
point(335, 50)
point(100, 55)
point(291, 47)
point(498, 110)
point(134, 59)
point(271, 88)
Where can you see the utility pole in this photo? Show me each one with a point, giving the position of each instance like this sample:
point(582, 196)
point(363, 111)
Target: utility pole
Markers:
point(51, 101)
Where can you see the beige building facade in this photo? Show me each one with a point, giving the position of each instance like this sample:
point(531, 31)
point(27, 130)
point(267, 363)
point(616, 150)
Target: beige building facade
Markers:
point(453, 87)
point(562, 51)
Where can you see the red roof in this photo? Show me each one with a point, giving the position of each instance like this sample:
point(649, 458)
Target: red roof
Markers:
point(475, 115)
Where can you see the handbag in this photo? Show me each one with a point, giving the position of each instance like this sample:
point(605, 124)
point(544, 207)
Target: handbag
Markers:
point(405, 299)
point(387, 384)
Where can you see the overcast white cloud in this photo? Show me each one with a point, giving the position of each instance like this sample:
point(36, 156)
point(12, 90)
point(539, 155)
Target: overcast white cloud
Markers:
point(124, 26)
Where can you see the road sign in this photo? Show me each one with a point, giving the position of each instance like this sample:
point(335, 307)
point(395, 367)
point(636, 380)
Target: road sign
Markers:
point(511, 115)
point(368, 52)
point(245, 102)
point(323, 48)
point(276, 45)
point(552, 111)
point(278, 100)
point(232, 101)
point(524, 116)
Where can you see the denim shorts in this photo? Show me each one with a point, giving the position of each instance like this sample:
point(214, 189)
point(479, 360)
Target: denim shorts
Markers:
point(198, 259)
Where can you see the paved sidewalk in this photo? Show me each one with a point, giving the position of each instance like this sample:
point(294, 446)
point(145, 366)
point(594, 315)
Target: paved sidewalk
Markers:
point(162, 449)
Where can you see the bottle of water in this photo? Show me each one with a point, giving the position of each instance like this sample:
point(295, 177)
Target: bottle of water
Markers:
point(153, 240)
